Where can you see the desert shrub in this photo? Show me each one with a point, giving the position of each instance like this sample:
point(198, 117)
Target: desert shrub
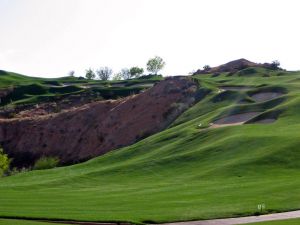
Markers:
point(4, 163)
point(46, 163)
point(14, 171)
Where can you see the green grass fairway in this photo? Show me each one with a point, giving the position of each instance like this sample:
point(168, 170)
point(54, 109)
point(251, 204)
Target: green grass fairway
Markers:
point(279, 222)
point(23, 222)
point(186, 172)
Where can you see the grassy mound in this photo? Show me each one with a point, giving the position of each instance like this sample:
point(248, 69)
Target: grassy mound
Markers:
point(183, 173)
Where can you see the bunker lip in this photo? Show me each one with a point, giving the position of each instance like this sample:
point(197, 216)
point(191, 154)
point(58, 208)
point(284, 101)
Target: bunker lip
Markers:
point(235, 88)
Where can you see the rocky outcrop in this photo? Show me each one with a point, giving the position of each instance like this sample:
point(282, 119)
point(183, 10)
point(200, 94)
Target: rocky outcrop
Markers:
point(96, 128)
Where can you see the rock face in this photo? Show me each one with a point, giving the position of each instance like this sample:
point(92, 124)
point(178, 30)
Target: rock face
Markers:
point(96, 128)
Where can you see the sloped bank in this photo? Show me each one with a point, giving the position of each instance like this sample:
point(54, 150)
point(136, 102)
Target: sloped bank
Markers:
point(94, 129)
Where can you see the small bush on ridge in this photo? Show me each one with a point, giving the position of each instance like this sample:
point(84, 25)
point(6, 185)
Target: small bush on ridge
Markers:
point(46, 163)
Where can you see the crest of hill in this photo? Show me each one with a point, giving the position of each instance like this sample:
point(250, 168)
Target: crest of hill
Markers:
point(233, 66)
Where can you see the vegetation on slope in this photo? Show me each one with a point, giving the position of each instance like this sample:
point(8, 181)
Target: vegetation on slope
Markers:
point(32, 90)
point(187, 172)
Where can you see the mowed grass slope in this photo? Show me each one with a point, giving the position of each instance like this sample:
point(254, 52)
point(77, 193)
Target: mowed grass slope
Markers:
point(33, 90)
point(186, 172)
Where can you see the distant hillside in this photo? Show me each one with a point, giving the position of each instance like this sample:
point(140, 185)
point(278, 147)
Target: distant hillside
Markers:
point(234, 66)
point(19, 93)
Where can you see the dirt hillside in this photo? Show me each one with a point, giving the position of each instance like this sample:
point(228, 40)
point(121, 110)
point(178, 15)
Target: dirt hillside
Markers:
point(96, 128)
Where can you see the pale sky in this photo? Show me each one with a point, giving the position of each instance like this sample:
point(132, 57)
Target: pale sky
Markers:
point(51, 37)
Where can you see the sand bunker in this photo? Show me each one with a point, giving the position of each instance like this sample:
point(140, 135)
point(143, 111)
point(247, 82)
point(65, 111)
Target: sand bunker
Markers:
point(234, 120)
point(265, 96)
point(235, 88)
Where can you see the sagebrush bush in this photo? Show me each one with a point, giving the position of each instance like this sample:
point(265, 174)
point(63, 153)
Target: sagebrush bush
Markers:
point(46, 163)
point(4, 163)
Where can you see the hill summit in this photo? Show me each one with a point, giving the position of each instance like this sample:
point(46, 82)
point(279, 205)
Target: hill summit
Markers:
point(234, 66)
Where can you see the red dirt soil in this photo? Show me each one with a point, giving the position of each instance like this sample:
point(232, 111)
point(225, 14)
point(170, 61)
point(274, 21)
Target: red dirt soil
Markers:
point(93, 129)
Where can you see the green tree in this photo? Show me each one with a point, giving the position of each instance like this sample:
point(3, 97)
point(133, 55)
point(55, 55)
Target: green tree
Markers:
point(155, 64)
point(117, 76)
point(72, 73)
point(104, 73)
point(275, 64)
point(125, 74)
point(4, 162)
point(206, 67)
point(136, 71)
point(90, 74)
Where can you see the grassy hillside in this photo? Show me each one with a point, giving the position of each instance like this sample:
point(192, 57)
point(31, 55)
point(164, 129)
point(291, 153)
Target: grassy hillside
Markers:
point(187, 172)
point(33, 90)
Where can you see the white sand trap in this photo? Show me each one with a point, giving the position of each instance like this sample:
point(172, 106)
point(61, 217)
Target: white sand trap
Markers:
point(265, 96)
point(235, 88)
point(234, 120)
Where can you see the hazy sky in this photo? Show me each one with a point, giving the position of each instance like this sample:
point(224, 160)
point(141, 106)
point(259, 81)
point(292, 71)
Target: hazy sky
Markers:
point(52, 37)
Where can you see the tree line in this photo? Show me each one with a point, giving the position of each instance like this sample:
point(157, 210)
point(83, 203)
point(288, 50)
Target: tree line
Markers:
point(154, 65)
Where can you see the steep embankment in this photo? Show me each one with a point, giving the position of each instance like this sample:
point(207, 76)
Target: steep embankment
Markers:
point(94, 129)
